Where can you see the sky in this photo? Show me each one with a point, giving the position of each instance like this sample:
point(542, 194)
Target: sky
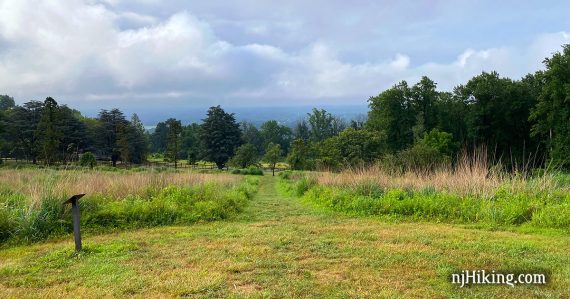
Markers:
point(175, 54)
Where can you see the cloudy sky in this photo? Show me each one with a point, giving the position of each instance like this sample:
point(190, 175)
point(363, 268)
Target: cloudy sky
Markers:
point(176, 53)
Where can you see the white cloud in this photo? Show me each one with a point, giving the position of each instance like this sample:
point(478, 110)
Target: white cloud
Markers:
point(46, 44)
point(77, 49)
point(182, 43)
point(139, 19)
point(507, 61)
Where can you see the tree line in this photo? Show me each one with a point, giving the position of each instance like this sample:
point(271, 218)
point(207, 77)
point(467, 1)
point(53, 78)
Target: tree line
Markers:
point(520, 122)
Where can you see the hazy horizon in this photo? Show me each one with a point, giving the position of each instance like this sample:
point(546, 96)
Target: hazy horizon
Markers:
point(286, 115)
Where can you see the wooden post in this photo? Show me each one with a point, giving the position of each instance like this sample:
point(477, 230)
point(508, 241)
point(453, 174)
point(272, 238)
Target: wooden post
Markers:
point(75, 213)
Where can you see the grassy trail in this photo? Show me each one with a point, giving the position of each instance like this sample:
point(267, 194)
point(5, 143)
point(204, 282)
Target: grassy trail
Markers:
point(278, 248)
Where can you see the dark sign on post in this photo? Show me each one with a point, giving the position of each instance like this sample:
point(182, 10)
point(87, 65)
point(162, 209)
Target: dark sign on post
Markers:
point(75, 212)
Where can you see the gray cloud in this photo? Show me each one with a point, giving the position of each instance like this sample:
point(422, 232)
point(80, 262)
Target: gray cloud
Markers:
point(244, 52)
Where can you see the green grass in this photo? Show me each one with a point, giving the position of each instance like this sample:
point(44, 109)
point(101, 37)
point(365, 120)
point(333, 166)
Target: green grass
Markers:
point(279, 247)
point(248, 171)
point(549, 209)
point(25, 222)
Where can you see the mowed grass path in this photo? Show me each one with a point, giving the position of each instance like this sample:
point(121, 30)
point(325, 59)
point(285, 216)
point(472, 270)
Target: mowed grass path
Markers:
point(280, 248)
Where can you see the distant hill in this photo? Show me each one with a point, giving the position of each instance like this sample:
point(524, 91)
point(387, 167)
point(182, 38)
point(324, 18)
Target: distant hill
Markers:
point(257, 115)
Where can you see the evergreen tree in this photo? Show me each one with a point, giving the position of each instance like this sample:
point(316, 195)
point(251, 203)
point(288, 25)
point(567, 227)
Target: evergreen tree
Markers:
point(159, 138)
point(124, 143)
point(190, 143)
point(138, 140)
point(47, 133)
point(23, 122)
point(73, 133)
point(220, 136)
point(173, 147)
point(111, 123)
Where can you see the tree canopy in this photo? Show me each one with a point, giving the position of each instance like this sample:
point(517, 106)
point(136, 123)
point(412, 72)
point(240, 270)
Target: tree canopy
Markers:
point(220, 136)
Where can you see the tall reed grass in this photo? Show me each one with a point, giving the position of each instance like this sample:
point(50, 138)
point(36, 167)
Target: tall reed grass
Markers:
point(473, 191)
point(31, 200)
point(472, 175)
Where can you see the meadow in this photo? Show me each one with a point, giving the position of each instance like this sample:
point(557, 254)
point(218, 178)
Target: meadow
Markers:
point(362, 232)
point(31, 200)
point(281, 247)
point(473, 192)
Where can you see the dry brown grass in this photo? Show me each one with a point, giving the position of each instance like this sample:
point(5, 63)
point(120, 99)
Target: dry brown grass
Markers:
point(472, 175)
point(37, 184)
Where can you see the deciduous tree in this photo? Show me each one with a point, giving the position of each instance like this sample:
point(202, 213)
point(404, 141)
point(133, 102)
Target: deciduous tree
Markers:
point(272, 156)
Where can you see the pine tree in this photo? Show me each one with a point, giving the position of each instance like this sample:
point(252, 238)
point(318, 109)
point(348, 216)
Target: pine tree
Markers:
point(220, 136)
point(173, 147)
point(47, 132)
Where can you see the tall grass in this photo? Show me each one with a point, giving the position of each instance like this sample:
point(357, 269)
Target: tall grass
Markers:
point(31, 200)
point(472, 175)
point(37, 184)
point(473, 191)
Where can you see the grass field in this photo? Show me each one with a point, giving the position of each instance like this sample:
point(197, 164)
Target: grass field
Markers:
point(279, 247)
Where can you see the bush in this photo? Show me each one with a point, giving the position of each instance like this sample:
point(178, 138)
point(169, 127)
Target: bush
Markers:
point(248, 171)
point(88, 159)
point(285, 175)
point(422, 158)
point(303, 185)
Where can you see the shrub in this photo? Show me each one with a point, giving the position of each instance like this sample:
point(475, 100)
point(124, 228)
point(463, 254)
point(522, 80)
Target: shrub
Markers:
point(88, 159)
point(252, 170)
point(285, 175)
point(303, 185)
point(421, 158)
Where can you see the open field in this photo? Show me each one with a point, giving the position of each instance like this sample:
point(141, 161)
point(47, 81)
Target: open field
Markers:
point(280, 248)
